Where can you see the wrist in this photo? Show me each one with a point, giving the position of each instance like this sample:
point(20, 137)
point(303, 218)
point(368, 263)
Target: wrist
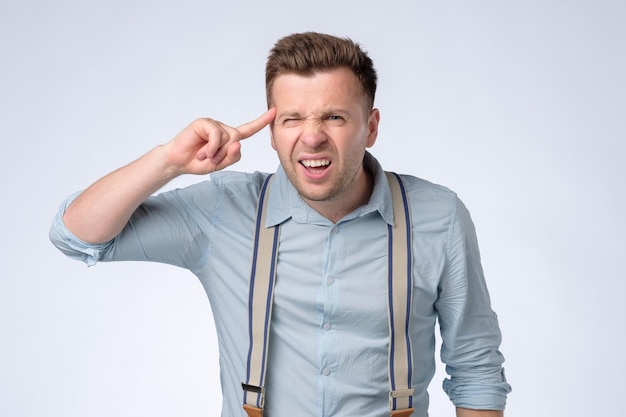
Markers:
point(165, 168)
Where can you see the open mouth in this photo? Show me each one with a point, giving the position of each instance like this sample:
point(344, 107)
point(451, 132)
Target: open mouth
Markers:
point(315, 164)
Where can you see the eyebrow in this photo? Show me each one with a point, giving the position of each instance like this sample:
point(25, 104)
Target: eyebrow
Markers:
point(289, 114)
point(323, 114)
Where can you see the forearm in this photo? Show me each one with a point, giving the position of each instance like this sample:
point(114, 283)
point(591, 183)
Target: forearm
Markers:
point(205, 146)
point(466, 412)
point(102, 210)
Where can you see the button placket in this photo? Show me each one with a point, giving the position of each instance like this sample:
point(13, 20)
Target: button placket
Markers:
point(329, 291)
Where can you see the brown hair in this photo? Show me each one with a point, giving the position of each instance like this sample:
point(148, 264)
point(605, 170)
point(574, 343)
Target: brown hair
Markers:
point(310, 52)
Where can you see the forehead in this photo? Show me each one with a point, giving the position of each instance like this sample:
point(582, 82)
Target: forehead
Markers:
point(338, 85)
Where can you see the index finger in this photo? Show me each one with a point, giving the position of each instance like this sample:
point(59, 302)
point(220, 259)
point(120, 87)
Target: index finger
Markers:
point(250, 128)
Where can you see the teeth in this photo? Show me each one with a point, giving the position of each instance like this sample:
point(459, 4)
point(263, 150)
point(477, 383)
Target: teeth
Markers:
point(316, 163)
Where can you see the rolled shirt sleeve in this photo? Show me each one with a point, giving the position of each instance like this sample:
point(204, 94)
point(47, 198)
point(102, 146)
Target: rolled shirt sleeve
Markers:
point(165, 228)
point(469, 328)
point(71, 245)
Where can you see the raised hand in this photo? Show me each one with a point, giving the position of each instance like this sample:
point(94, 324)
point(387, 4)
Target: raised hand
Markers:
point(207, 145)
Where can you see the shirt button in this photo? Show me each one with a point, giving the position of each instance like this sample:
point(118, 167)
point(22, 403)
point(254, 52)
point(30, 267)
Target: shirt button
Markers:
point(327, 326)
point(330, 280)
point(326, 372)
point(335, 230)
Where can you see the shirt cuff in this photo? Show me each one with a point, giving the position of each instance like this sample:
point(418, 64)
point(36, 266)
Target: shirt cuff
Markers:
point(69, 244)
point(482, 395)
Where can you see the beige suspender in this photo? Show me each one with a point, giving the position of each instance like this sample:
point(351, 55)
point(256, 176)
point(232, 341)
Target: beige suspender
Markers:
point(400, 297)
point(262, 278)
point(400, 287)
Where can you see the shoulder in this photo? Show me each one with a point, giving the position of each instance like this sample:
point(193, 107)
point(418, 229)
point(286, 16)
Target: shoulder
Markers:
point(432, 206)
point(227, 182)
point(422, 191)
point(221, 189)
point(241, 179)
point(436, 206)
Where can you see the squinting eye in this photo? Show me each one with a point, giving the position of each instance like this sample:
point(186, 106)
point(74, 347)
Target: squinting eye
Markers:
point(289, 122)
point(335, 120)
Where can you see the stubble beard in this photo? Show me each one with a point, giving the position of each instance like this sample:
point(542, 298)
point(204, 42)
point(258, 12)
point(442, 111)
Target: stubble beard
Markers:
point(336, 187)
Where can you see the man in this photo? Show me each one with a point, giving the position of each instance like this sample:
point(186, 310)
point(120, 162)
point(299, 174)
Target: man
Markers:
point(330, 328)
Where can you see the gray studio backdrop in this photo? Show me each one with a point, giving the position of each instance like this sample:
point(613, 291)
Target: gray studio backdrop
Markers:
point(518, 106)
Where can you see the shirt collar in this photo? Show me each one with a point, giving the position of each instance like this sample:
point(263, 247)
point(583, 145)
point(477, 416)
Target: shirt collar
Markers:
point(285, 202)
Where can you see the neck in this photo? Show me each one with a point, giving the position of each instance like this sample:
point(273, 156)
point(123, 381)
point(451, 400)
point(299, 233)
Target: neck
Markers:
point(357, 195)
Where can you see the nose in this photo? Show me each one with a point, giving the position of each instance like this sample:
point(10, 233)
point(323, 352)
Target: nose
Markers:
point(313, 134)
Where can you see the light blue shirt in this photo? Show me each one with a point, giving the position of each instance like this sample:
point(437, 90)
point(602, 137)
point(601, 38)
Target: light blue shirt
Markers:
point(329, 334)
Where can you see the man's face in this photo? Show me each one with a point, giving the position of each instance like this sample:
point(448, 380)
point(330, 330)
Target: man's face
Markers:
point(321, 130)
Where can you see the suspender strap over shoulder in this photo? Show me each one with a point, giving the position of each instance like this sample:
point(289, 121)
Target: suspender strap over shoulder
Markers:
point(262, 278)
point(400, 295)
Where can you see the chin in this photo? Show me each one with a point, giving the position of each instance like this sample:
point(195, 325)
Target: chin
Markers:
point(312, 194)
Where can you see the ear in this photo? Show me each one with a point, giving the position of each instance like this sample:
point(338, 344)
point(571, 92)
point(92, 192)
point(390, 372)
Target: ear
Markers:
point(372, 127)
